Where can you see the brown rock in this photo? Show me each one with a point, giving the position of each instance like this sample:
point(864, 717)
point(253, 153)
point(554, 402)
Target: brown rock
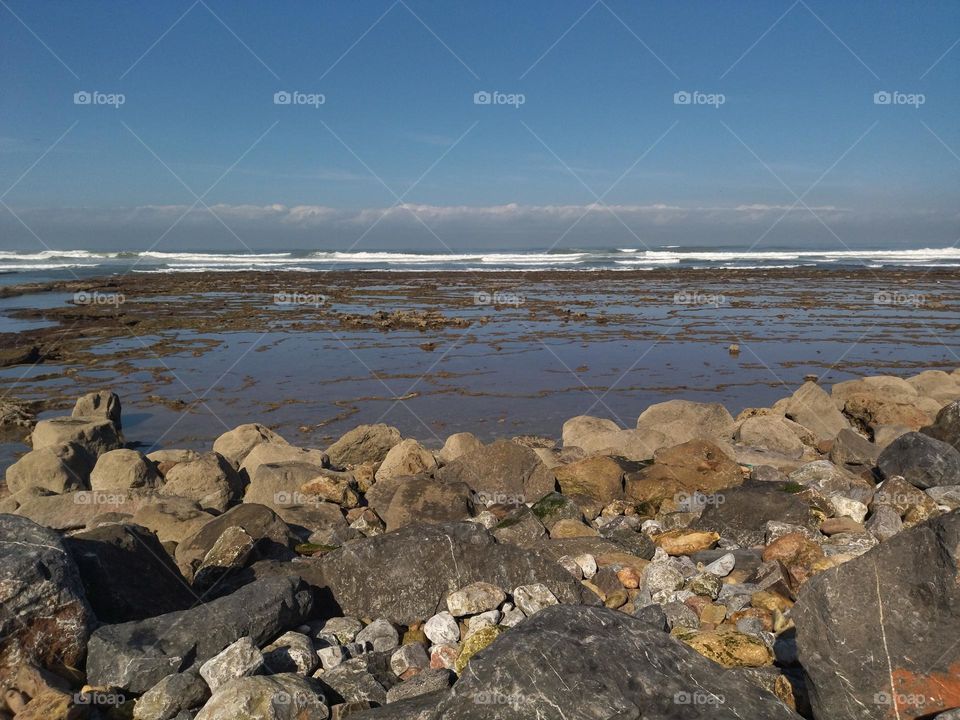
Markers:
point(686, 542)
point(694, 466)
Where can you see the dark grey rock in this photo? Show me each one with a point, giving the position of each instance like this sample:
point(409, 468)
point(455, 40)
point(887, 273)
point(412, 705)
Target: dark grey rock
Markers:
point(946, 427)
point(520, 527)
point(424, 682)
point(502, 473)
point(127, 574)
point(135, 656)
point(654, 616)
point(923, 461)
point(744, 511)
point(553, 507)
point(852, 449)
point(635, 543)
point(891, 613)
point(405, 576)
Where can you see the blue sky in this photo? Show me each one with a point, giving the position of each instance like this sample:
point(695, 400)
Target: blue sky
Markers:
point(399, 125)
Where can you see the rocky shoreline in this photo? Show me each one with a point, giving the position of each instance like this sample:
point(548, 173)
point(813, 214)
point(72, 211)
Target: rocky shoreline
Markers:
point(799, 560)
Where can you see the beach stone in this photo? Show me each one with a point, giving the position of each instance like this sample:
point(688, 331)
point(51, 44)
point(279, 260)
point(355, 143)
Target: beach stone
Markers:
point(95, 435)
point(365, 443)
point(502, 473)
point(682, 470)
point(269, 452)
point(100, 404)
point(407, 457)
point(119, 470)
point(236, 444)
point(458, 444)
point(774, 433)
point(356, 681)
point(921, 460)
point(870, 405)
point(531, 665)
point(210, 480)
point(598, 479)
point(883, 435)
point(554, 507)
point(278, 484)
point(275, 697)
point(163, 460)
point(579, 431)
point(239, 659)
point(127, 575)
point(572, 528)
point(291, 652)
point(171, 518)
point(946, 426)
point(731, 649)
point(229, 552)
point(406, 575)
point(174, 694)
point(345, 629)
point(684, 420)
point(533, 598)
point(480, 640)
point(947, 495)
point(74, 510)
point(882, 618)
point(850, 448)
point(884, 522)
point(843, 524)
point(442, 629)
point(520, 527)
point(332, 486)
point(907, 500)
point(368, 523)
point(402, 501)
point(936, 384)
point(129, 656)
point(814, 409)
point(475, 598)
point(722, 566)
point(827, 478)
point(381, 635)
point(59, 469)
point(272, 536)
point(845, 507)
point(662, 576)
point(46, 619)
point(686, 542)
point(743, 515)
point(637, 445)
point(423, 683)
point(409, 657)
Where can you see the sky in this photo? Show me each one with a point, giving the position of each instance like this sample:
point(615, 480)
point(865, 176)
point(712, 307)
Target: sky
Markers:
point(439, 125)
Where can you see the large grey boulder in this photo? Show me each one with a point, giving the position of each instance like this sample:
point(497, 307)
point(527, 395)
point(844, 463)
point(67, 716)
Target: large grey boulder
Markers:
point(741, 514)
point(502, 473)
point(285, 696)
point(236, 444)
point(121, 469)
point(405, 576)
point(365, 443)
point(95, 435)
point(877, 635)
point(578, 431)
point(946, 427)
point(277, 484)
point(127, 574)
point(813, 408)
point(684, 420)
point(597, 664)
point(135, 656)
point(59, 469)
point(210, 480)
point(403, 501)
point(921, 460)
point(44, 615)
point(102, 404)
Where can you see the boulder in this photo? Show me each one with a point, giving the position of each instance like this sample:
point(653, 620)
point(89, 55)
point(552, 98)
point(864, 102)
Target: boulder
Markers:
point(95, 435)
point(120, 470)
point(637, 445)
point(405, 576)
point(100, 404)
point(774, 433)
point(365, 443)
point(135, 656)
point(946, 427)
point(853, 450)
point(936, 384)
point(174, 694)
point(921, 460)
point(172, 518)
point(579, 431)
point(407, 457)
point(475, 598)
point(126, 573)
point(402, 501)
point(285, 696)
point(319, 523)
point(826, 478)
point(813, 408)
point(686, 420)
point(501, 473)
point(692, 467)
point(741, 514)
point(210, 480)
point(579, 662)
point(458, 444)
point(273, 539)
point(59, 469)
point(278, 484)
point(280, 453)
point(520, 527)
point(241, 658)
point(598, 480)
point(883, 400)
point(79, 509)
point(236, 444)
point(886, 620)
point(45, 618)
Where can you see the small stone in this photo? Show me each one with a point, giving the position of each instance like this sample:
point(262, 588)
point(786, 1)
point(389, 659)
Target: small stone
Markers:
point(834, 526)
point(653, 615)
point(381, 635)
point(661, 576)
point(680, 615)
point(490, 617)
point(487, 519)
point(240, 659)
point(845, 507)
point(424, 682)
point(512, 616)
point(570, 565)
point(474, 644)
point(368, 523)
point(722, 566)
point(344, 628)
point(291, 652)
point(884, 523)
point(588, 565)
point(443, 656)
point(616, 599)
point(731, 649)
point(173, 694)
point(409, 657)
point(629, 578)
point(533, 598)
point(713, 614)
point(686, 542)
point(442, 629)
point(475, 598)
point(331, 656)
point(705, 584)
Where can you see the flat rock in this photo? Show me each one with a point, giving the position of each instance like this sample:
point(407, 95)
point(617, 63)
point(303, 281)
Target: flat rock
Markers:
point(743, 514)
point(502, 473)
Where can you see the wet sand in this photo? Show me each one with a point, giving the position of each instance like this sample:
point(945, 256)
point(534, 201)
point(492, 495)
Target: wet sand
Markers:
point(504, 353)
